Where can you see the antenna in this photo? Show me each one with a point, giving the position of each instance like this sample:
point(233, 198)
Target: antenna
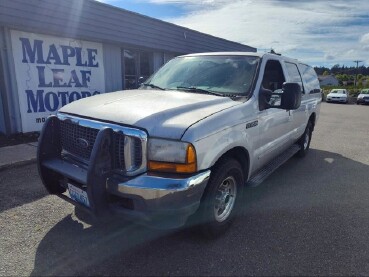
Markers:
point(273, 52)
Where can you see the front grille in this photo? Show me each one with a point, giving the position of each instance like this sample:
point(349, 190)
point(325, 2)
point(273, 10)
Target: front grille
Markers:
point(366, 97)
point(74, 138)
point(78, 141)
point(120, 162)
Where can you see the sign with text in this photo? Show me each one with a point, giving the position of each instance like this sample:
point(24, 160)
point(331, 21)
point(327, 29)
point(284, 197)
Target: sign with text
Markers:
point(52, 72)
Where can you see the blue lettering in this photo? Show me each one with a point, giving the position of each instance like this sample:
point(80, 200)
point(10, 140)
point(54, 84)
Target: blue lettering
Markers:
point(41, 78)
point(48, 102)
point(32, 53)
point(53, 55)
point(63, 95)
point(85, 77)
point(91, 54)
point(79, 57)
point(74, 80)
point(85, 94)
point(74, 96)
point(58, 77)
point(36, 102)
point(68, 52)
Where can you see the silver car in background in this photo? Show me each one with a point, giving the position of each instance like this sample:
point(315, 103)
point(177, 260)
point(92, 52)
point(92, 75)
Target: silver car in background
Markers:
point(363, 97)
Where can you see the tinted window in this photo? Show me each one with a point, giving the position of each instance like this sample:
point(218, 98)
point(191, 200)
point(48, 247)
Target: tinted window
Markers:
point(273, 78)
point(310, 79)
point(294, 74)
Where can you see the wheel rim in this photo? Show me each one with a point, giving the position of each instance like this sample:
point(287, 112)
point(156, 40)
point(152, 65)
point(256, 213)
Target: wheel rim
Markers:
point(307, 137)
point(225, 198)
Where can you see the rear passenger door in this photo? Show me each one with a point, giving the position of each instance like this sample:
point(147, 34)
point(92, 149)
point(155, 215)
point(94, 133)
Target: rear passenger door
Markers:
point(298, 118)
point(312, 96)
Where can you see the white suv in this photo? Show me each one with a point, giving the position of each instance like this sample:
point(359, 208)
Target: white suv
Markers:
point(186, 143)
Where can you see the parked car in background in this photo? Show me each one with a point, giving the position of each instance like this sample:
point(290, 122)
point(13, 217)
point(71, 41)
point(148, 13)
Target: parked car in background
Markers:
point(338, 95)
point(363, 97)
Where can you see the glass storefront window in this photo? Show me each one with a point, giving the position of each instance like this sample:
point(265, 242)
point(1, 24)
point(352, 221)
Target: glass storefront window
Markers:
point(136, 64)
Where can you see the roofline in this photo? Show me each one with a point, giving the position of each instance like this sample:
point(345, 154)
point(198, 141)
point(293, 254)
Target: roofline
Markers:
point(253, 54)
point(228, 53)
point(165, 22)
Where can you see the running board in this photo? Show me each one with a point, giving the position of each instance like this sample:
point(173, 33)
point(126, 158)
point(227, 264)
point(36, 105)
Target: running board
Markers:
point(258, 177)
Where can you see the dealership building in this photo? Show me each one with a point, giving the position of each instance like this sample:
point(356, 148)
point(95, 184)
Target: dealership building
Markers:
point(55, 52)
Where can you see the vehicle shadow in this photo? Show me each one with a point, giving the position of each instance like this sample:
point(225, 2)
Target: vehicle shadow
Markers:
point(309, 217)
point(15, 192)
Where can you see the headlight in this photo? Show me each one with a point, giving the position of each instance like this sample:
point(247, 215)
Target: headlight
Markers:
point(171, 156)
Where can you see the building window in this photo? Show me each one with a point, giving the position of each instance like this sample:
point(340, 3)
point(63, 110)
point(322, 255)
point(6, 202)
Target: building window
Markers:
point(136, 64)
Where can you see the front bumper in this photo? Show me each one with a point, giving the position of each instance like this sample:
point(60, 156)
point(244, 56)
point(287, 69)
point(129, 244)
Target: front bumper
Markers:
point(158, 201)
point(362, 101)
point(341, 100)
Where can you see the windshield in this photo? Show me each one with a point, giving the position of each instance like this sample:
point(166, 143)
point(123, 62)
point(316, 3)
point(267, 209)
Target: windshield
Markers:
point(220, 75)
point(338, 91)
point(365, 91)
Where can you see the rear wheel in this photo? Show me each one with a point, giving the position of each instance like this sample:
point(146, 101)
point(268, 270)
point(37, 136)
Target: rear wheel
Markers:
point(304, 141)
point(221, 198)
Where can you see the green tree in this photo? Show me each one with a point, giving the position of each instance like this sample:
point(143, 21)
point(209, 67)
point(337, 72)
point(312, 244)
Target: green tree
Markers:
point(325, 73)
point(345, 77)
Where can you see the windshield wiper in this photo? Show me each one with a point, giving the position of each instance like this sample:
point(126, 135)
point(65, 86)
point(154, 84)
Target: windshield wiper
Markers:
point(152, 86)
point(200, 90)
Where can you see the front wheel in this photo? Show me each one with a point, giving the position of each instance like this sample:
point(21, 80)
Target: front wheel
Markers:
point(304, 141)
point(221, 198)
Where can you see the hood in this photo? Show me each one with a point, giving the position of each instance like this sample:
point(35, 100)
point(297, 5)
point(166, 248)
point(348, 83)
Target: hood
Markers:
point(162, 113)
point(362, 95)
point(337, 94)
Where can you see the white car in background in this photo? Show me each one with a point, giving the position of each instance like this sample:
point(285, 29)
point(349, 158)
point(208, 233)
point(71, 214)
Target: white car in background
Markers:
point(338, 95)
point(363, 97)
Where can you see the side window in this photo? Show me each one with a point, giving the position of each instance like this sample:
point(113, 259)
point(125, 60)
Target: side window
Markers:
point(273, 78)
point(310, 79)
point(294, 74)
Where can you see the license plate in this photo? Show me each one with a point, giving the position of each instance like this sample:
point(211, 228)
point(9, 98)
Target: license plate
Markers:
point(78, 195)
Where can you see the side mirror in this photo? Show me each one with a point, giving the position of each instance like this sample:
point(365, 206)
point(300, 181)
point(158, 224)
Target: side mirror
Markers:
point(291, 96)
point(141, 80)
point(287, 98)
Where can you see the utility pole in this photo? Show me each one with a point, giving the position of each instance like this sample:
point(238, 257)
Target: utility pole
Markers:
point(357, 67)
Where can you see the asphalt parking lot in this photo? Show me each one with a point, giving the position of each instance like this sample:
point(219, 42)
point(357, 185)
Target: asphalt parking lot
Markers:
point(310, 217)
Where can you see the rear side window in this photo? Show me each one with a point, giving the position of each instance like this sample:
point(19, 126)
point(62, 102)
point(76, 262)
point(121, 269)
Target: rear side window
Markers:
point(294, 74)
point(310, 79)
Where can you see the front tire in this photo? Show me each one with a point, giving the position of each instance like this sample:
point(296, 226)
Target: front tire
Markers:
point(221, 198)
point(304, 141)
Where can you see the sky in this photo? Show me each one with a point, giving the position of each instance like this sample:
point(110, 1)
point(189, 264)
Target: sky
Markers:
point(317, 32)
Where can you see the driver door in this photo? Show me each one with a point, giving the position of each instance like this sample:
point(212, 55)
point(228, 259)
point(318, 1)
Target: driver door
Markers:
point(274, 124)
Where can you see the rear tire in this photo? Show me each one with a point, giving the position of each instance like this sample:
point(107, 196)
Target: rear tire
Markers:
point(221, 198)
point(304, 141)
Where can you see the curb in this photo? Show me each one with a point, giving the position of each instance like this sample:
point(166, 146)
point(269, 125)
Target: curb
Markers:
point(17, 164)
